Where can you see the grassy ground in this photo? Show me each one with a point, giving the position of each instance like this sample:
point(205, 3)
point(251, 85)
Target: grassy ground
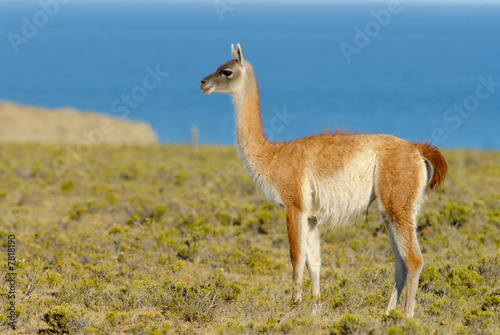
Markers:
point(162, 240)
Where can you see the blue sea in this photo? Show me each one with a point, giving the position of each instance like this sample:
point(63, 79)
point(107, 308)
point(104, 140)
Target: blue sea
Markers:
point(420, 72)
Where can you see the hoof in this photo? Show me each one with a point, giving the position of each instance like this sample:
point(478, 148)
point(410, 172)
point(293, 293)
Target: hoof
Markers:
point(296, 293)
point(316, 308)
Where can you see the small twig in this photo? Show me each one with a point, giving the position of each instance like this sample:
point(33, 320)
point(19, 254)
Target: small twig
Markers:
point(288, 315)
point(109, 297)
point(133, 317)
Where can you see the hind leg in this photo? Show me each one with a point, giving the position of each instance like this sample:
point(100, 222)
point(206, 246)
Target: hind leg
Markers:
point(408, 263)
point(401, 180)
point(400, 270)
point(415, 263)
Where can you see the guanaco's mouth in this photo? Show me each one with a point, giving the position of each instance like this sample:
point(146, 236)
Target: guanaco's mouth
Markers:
point(207, 89)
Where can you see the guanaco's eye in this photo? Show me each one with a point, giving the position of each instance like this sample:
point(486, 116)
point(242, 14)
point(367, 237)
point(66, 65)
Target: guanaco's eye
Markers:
point(227, 73)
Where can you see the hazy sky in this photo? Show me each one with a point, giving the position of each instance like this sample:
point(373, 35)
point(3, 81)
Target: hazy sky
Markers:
point(496, 2)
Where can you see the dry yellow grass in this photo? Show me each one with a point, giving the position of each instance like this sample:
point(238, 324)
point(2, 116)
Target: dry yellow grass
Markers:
point(22, 124)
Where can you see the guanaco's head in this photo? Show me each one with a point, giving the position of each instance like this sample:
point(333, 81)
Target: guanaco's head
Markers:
point(229, 77)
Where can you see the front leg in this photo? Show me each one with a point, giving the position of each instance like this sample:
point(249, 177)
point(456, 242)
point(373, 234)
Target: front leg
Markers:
point(296, 223)
point(313, 254)
point(313, 260)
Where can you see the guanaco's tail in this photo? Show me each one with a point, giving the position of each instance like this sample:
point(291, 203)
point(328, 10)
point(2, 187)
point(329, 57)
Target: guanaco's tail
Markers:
point(439, 167)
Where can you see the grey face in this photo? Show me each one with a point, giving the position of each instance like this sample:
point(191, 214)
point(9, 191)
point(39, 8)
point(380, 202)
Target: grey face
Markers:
point(224, 80)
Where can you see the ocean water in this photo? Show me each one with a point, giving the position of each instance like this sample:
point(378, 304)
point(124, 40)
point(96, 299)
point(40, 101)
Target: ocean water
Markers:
point(420, 72)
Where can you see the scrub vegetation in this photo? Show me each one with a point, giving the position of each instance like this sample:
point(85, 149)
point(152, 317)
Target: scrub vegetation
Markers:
point(163, 239)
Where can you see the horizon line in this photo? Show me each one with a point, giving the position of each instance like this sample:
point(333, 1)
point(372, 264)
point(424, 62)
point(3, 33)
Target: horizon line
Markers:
point(430, 2)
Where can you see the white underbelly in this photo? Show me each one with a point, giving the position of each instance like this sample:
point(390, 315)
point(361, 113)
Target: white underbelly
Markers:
point(345, 195)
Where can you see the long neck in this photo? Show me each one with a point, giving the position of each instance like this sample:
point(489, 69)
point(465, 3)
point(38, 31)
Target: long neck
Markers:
point(252, 143)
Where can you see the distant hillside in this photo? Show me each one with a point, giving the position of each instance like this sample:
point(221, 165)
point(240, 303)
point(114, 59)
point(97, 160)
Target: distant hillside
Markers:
point(22, 124)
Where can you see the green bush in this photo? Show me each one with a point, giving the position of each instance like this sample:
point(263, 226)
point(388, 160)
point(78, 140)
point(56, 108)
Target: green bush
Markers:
point(465, 281)
point(456, 215)
point(348, 324)
point(200, 301)
point(62, 319)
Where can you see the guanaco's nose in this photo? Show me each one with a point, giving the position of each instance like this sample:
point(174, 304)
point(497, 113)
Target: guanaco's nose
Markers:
point(203, 81)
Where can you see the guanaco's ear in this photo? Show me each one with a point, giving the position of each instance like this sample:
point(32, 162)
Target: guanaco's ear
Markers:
point(237, 54)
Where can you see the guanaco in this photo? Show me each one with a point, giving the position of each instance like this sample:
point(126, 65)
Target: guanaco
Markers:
point(332, 178)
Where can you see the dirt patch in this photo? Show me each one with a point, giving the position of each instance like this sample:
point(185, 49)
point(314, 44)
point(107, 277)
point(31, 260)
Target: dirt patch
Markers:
point(22, 124)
